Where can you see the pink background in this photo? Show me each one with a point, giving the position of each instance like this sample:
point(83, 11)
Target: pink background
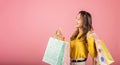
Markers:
point(26, 25)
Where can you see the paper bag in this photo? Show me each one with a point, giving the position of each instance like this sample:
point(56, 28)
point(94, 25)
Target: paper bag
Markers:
point(54, 52)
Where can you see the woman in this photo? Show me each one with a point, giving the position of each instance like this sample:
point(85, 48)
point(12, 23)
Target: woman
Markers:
point(80, 43)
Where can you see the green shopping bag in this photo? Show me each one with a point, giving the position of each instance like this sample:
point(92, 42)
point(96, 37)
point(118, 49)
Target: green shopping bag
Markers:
point(54, 52)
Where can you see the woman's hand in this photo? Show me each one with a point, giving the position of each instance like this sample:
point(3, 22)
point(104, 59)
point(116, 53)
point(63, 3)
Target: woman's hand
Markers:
point(58, 35)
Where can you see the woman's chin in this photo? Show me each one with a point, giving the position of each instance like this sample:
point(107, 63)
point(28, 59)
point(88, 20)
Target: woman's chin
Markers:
point(77, 26)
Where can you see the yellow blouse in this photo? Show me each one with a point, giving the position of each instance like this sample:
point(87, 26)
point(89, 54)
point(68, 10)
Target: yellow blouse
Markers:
point(79, 49)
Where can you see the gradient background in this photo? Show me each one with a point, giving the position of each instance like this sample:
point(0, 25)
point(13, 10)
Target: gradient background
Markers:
point(26, 25)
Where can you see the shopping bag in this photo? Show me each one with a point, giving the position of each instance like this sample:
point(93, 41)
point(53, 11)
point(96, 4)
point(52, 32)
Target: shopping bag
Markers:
point(108, 56)
point(103, 55)
point(54, 52)
point(66, 58)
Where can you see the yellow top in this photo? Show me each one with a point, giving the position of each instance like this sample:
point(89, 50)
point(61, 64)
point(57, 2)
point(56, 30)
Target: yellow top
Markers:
point(79, 49)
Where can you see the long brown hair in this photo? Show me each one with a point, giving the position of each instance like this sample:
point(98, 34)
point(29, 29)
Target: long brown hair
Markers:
point(86, 26)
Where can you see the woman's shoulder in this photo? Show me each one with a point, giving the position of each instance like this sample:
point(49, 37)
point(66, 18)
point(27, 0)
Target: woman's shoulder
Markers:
point(90, 33)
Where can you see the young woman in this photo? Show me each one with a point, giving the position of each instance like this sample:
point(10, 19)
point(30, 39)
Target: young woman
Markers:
point(80, 43)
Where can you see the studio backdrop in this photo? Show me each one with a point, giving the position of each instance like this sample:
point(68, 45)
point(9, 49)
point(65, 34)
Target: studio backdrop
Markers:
point(26, 25)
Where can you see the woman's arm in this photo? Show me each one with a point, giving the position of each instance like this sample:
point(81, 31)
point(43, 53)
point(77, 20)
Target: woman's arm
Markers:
point(91, 46)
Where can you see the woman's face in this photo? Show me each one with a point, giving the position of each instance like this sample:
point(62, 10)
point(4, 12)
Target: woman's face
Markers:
point(79, 21)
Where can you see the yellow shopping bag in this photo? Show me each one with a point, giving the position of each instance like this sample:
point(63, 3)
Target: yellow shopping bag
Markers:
point(103, 55)
point(108, 56)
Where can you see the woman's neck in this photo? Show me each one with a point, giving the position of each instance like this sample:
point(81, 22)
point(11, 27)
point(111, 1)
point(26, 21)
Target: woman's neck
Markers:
point(80, 30)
